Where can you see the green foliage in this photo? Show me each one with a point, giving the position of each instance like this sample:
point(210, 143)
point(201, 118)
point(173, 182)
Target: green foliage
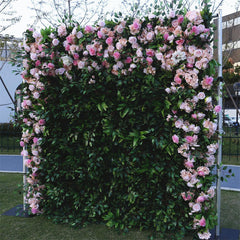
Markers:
point(107, 154)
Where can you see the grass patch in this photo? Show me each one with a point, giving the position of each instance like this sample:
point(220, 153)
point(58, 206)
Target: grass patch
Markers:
point(40, 228)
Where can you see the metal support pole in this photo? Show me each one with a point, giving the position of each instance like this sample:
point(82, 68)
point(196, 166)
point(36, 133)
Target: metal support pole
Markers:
point(220, 123)
point(7, 90)
point(24, 182)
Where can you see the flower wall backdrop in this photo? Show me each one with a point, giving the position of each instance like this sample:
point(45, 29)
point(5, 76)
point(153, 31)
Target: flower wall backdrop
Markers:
point(118, 123)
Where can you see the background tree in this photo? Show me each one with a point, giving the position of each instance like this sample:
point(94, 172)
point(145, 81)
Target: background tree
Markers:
point(53, 11)
point(7, 15)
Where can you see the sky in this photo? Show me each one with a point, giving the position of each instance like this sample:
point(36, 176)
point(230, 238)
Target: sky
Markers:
point(22, 8)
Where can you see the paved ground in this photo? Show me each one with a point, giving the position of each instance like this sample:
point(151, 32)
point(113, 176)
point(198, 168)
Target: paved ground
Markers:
point(11, 163)
point(14, 163)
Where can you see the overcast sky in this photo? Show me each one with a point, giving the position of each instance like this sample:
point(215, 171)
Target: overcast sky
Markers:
point(22, 7)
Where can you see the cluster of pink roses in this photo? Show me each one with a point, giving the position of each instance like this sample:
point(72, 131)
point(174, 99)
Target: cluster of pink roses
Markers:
point(121, 54)
point(189, 132)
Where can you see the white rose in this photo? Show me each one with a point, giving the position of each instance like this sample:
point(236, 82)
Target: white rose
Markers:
point(67, 60)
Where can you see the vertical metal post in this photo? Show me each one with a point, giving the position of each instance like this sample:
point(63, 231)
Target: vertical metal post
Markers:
point(220, 122)
point(24, 182)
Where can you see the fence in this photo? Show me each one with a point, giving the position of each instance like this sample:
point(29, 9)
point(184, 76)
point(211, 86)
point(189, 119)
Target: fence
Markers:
point(9, 139)
point(231, 145)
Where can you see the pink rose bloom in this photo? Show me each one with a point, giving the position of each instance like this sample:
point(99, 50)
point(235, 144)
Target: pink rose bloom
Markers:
point(150, 36)
point(51, 65)
point(109, 40)
point(35, 140)
point(139, 53)
point(120, 28)
point(132, 40)
point(189, 164)
point(22, 144)
point(24, 153)
point(189, 139)
point(89, 29)
point(175, 138)
point(75, 56)
point(119, 46)
point(198, 53)
point(217, 109)
point(180, 42)
point(92, 51)
point(201, 95)
point(195, 30)
point(192, 15)
point(165, 36)
point(36, 95)
point(186, 175)
point(149, 60)
point(205, 235)
point(194, 116)
point(62, 31)
point(200, 199)
point(135, 27)
point(180, 19)
point(100, 34)
point(70, 39)
point(33, 56)
point(37, 63)
point(150, 52)
point(196, 207)
point(177, 79)
point(55, 42)
point(191, 49)
point(34, 211)
point(116, 55)
point(128, 60)
point(41, 122)
point(187, 196)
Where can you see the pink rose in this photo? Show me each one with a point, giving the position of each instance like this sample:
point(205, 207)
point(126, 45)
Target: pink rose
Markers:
point(62, 31)
point(92, 51)
point(150, 52)
point(41, 122)
point(175, 138)
point(180, 42)
point(180, 19)
point(35, 140)
point(217, 108)
point(128, 60)
point(132, 40)
point(37, 63)
point(200, 199)
point(55, 42)
point(165, 36)
point(189, 139)
point(109, 40)
point(34, 211)
point(189, 164)
point(89, 29)
point(69, 39)
point(116, 55)
point(100, 34)
point(202, 222)
point(22, 144)
point(196, 207)
point(177, 79)
point(149, 60)
point(51, 65)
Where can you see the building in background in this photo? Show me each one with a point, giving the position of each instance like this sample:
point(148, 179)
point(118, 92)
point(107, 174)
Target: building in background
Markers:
point(231, 53)
point(9, 80)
